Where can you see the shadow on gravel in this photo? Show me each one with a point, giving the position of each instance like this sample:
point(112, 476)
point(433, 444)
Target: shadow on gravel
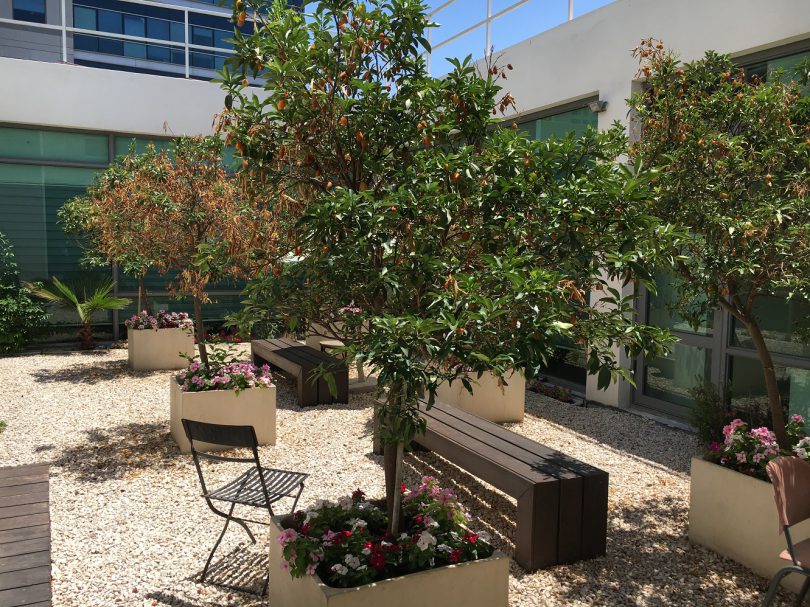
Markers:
point(624, 431)
point(120, 452)
point(84, 372)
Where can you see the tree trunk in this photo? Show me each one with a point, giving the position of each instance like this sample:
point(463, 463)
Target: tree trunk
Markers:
point(143, 299)
point(774, 400)
point(198, 324)
point(86, 335)
point(393, 457)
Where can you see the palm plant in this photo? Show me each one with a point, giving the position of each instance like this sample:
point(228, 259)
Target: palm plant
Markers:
point(60, 294)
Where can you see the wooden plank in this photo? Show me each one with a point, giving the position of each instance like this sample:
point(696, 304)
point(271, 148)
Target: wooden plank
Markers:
point(25, 498)
point(536, 533)
point(25, 546)
point(25, 533)
point(24, 521)
point(595, 517)
point(37, 487)
point(25, 561)
point(24, 509)
point(19, 597)
point(25, 577)
point(12, 481)
point(33, 469)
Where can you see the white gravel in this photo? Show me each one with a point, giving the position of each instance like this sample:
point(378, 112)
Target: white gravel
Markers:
point(129, 527)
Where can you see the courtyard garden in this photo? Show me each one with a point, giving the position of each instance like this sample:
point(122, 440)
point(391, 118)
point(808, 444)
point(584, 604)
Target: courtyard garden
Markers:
point(375, 419)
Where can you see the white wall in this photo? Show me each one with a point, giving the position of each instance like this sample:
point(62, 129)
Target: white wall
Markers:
point(591, 54)
point(76, 97)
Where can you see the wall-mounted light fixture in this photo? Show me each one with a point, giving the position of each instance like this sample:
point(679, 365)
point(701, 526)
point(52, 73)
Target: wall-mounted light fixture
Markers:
point(597, 106)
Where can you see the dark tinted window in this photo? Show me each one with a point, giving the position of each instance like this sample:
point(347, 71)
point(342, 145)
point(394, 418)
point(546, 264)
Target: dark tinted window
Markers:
point(84, 18)
point(29, 10)
point(158, 28)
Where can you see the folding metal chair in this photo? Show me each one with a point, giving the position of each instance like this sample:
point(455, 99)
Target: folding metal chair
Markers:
point(258, 487)
point(791, 489)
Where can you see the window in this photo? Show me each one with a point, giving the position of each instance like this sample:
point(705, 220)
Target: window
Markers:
point(748, 393)
point(177, 31)
point(671, 378)
point(158, 53)
point(29, 10)
point(84, 18)
point(31, 144)
point(559, 125)
point(158, 29)
point(220, 38)
point(202, 36)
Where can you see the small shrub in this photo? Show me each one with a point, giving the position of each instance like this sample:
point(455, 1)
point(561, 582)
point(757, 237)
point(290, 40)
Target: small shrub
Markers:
point(20, 315)
point(709, 413)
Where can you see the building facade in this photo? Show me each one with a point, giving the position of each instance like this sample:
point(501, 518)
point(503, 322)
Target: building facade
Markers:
point(76, 91)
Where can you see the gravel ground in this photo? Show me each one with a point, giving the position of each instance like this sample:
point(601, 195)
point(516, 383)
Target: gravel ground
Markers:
point(129, 527)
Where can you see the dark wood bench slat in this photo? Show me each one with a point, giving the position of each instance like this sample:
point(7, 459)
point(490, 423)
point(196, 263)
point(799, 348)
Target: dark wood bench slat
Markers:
point(36, 487)
point(24, 533)
point(24, 509)
point(25, 577)
point(24, 498)
point(26, 546)
point(30, 470)
point(25, 561)
point(18, 522)
point(29, 595)
point(28, 479)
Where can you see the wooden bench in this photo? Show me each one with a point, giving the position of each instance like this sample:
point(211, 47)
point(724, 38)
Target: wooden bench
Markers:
point(298, 361)
point(25, 536)
point(562, 502)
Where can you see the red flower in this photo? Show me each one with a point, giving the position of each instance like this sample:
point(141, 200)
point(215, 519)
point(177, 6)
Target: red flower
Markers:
point(471, 537)
point(418, 519)
point(455, 556)
point(402, 488)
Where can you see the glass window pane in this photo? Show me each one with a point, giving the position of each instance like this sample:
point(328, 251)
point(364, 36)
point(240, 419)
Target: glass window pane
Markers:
point(202, 60)
point(158, 53)
point(202, 36)
point(110, 46)
point(84, 18)
point(559, 125)
point(178, 57)
point(749, 396)
point(671, 378)
point(135, 50)
point(660, 314)
point(29, 10)
point(82, 42)
point(109, 21)
point(220, 37)
point(122, 144)
point(784, 326)
point(134, 25)
point(158, 29)
point(53, 145)
point(177, 31)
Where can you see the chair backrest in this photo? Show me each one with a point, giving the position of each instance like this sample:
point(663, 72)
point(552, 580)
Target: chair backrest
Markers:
point(791, 489)
point(220, 434)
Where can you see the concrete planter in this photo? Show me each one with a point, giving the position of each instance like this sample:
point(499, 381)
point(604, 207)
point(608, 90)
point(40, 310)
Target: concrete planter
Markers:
point(483, 583)
point(499, 404)
point(735, 515)
point(252, 407)
point(150, 350)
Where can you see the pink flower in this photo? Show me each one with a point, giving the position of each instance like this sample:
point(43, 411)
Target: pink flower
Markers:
point(797, 419)
point(715, 446)
point(310, 569)
point(288, 535)
point(741, 458)
point(285, 566)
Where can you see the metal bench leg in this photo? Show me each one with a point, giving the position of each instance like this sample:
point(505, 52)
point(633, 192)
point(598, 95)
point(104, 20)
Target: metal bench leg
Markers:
point(803, 593)
point(774, 587)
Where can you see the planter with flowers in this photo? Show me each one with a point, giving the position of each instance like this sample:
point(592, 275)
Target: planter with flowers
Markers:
point(159, 341)
point(731, 506)
point(224, 392)
point(493, 398)
point(341, 555)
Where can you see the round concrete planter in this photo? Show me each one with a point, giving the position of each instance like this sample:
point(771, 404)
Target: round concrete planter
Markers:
point(497, 403)
point(483, 583)
point(151, 350)
point(252, 407)
point(734, 514)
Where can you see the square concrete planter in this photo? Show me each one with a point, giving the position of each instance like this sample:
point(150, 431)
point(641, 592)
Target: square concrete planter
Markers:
point(483, 583)
point(499, 404)
point(151, 350)
point(734, 514)
point(252, 407)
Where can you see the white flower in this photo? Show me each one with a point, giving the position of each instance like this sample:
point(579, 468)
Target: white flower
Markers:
point(455, 536)
point(310, 515)
point(357, 522)
point(352, 561)
point(443, 548)
point(339, 569)
point(425, 541)
point(403, 536)
point(345, 502)
point(365, 551)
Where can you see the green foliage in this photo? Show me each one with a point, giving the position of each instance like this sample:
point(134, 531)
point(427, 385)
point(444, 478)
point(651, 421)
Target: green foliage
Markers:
point(708, 414)
point(85, 302)
point(458, 240)
point(20, 315)
point(732, 156)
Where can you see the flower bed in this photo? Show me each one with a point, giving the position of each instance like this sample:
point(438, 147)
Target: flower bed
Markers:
point(161, 320)
point(236, 376)
point(749, 451)
point(559, 393)
point(348, 544)
point(158, 342)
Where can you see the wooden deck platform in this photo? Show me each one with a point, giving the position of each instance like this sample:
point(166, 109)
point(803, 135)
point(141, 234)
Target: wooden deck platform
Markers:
point(25, 537)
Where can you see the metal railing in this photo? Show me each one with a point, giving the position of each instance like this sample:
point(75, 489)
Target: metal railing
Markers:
point(186, 45)
point(486, 23)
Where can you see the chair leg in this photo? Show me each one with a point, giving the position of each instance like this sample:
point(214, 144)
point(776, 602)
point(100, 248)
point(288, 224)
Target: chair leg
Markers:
point(774, 586)
point(295, 503)
point(228, 520)
point(803, 593)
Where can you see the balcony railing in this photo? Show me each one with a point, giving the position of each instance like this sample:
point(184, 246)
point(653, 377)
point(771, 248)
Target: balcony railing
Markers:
point(186, 46)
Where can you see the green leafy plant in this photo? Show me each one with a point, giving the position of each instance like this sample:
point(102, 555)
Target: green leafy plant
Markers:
point(453, 238)
point(85, 303)
point(20, 315)
point(731, 155)
point(709, 413)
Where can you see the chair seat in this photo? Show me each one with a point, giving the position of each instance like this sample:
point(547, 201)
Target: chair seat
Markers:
point(247, 488)
point(802, 552)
